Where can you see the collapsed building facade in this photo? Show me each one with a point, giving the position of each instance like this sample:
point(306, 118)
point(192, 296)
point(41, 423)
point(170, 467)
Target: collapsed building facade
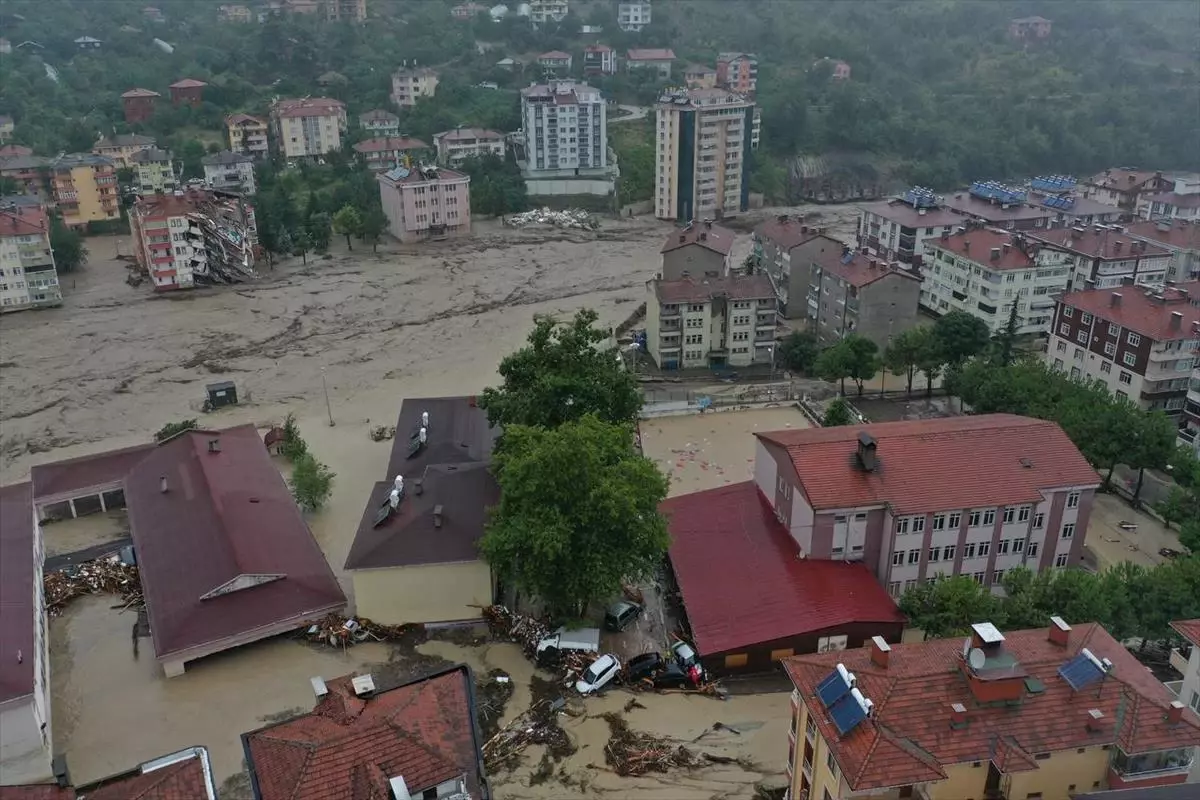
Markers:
point(194, 238)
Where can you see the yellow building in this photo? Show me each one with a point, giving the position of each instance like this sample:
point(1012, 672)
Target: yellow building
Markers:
point(84, 187)
point(155, 172)
point(121, 148)
point(1043, 713)
point(247, 135)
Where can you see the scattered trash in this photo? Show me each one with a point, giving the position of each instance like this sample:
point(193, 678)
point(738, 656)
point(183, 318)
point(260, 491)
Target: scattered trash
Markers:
point(538, 725)
point(382, 433)
point(103, 576)
point(338, 631)
point(570, 218)
point(630, 753)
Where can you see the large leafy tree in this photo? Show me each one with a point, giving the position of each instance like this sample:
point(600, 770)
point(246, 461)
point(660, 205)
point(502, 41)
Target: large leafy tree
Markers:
point(961, 336)
point(563, 373)
point(578, 512)
point(69, 251)
point(907, 352)
point(798, 351)
point(347, 222)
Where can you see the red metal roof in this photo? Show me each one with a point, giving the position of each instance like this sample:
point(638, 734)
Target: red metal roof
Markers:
point(459, 134)
point(651, 54)
point(24, 221)
point(860, 270)
point(1101, 243)
point(1144, 311)
point(906, 216)
point(348, 747)
point(225, 514)
point(10, 150)
point(308, 107)
point(1178, 234)
point(597, 48)
point(554, 55)
point(140, 93)
point(735, 287)
point(742, 583)
point(388, 144)
point(712, 237)
point(936, 464)
point(17, 652)
point(1188, 629)
point(1123, 180)
point(243, 119)
point(78, 475)
point(909, 739)
point(977, 246)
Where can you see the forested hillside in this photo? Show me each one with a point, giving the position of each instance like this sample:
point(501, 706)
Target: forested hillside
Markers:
point(939, 93)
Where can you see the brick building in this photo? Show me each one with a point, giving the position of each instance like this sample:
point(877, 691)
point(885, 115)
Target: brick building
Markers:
point(139, 105)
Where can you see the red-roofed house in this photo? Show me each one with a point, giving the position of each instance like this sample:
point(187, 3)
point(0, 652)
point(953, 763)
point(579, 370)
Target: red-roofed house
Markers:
point(599, 59)
point(364, 741)
point(187, 91)
point(656, 58)
point(1019, 715)
point(139, 105)
point(697, 251)
point(1188, 665)
point(185, 775)
point(963, 495)
point(555, 62)
point(1107, 256)
point(1172, 205)
point(896, 231)
point(737, 72)
point(385, 152)
point(750, 600)
point(1124, 187)
point(31, 280)
point(1139, 342)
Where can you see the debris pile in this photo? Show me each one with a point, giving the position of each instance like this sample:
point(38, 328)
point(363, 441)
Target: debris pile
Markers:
point(338, 631)
point(524, 630)
point(575, 218)
point(382, 433)
point(102, 576)
point(631, 753)
point(538, 725)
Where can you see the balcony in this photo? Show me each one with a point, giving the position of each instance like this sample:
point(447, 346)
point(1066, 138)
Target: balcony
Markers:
point(1179, 659)
point(1128, 771)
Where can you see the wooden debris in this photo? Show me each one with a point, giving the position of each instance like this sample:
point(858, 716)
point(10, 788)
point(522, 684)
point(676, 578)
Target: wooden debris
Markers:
point(339, 631)
point(102, 576)
point(632, 753)
point(538, 725)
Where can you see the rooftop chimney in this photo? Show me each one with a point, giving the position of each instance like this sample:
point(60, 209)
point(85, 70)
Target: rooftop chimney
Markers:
point(945, 235)
point(682, 238)
point(1006, 247)
point(419, 486)
point(1117, 245)
point(995, 254)
point(162, 484)
point(214, 445)
point(958, 716)
point(867, 457)
point(1176, 320)
point(437, 516)
point(880, 651)
point(1174, 713)
point(871, 263)
point(318, 686)
point(866, 251)
point(1095, 720)
point(966, 245)
point(1060, 631)
point(399, 788)
point(363, 685)
point(1114, 300)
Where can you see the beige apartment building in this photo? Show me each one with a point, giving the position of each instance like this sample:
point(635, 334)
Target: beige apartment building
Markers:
point(309, 127)
point(456, 146)
point(1108, 256)
point(410, 84)
point(155, 172)
point(701, 322)
point(28, 277)
point(120, 148)
point(247, 135)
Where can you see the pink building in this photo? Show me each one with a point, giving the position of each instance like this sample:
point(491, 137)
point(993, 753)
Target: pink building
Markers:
point(425, 202)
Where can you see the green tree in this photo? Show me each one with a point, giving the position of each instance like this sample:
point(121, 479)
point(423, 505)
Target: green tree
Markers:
point(578, 512)
point(293, 447)
point(1179, 506)
point(192, 154)
point(562, 374)
point(931, 361)
point(347, 222)
point(960, 336)
point(903, 356)
point(798, 351)
point(173, 428)
point(948, 606)
point(837, 413)
point(318, 227)
point(1005, 342)
point(374, 224)
point(835, 364)
point(69, 251)
point(301, 244)
point(312, 482)
point(852, 357)
point(1189, 536)
point(1153, 446)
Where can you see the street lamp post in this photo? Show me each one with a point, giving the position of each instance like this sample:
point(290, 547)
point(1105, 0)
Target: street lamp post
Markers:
point(328, 406)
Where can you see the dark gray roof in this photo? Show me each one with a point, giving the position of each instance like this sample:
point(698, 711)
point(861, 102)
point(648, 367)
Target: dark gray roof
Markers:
point(153, 155)
point(458, 433)
point(22, 162)
point(226, 157)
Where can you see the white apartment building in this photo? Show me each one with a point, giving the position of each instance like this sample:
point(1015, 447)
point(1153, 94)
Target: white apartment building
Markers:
point(633, 16)
point(711, 322)
point(456, 146)
point(1107, 256)
point(1181, 202)
point(566, 128)
point(984, 271)
point(897, 229)
point(1178, 237)
point(309, 127)
point(1189, 433)
point(229, 171)
point(410, 84)
point(543, 11)
point(702, 142)
point(28, 277)
point(1188, 665)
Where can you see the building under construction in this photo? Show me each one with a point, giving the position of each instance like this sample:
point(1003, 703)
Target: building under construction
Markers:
point(194, 238)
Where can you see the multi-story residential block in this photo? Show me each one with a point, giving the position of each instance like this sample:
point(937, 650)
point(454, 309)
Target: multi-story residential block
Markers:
point(410, 84)
point(235, 13)
point(697, 251)
point(738, 72)
point(544, 11)
point(379, 123)
point(658, 59)
point(120, 148)
point(1125, 188)
point(1140, 343)
point(386, 152)
point(897, 229)
point(229, 172)
point(1107, 257)
point(979, 204)
point(467, 11)
point(28, 172)
point(973, 496)
point(706, 322)
point(1040, 713)
point(555, 62)
point(1180, 238)
point(456, 146)
point(247, 135)
point(775, 242)
point(702, 167)
point(309, 127)
point(598, 59)
point(139, 104)
point(633, 16)
point(192, 238)
point(187, 91)
point(1189, 688)
point(698, 76)
point(1181, 202)
point(154, 171)
point(1189, 431)
point(28, 277)
point(84, 188)
point(984, 271)
point(1030, 28)
point(425, 202)
point(566, 127)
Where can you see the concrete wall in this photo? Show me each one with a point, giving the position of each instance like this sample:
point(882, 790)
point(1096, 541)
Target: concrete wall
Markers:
point(559, 186)
point(696, 261)
point(428, 593)
point(887, 308)
point(24, 754)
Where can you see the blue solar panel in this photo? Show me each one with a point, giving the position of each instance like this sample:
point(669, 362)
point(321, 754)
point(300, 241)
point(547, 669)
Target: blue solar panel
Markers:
point(833, 688)
point(1081, 671)
point(847, 714)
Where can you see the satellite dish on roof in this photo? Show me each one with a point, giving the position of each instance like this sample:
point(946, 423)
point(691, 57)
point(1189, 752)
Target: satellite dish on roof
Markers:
point(976, 658)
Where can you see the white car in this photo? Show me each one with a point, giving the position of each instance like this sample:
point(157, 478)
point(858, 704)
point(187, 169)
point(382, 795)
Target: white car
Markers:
point(601, 673)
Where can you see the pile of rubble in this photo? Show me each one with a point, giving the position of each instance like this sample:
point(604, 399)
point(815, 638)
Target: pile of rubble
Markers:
point(382, 433)
point(632, 753)
point(570, 218)
point(102, 576)
point(338, 631)
point(538, 725)
point(524, 630)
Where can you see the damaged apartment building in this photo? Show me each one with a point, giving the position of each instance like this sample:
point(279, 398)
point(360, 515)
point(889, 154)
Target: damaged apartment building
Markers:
point(194, 238)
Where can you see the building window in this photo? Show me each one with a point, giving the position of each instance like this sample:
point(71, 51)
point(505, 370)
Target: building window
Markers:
point(1106, 367)
point(902, 525)
point(989, 517)
point(1018, 545)
point(1129, 358)
point(1073, 500)
point(969, 550)
point(948, 552)
point(1125, 377)
point(1133, 339)
point(1002, 547)
point(1060, 560)
point(939, 522)
point(973, 520)
point(1023, 513)
point(935, 554)
point(977, 576)
point(955, 520)
point(1031, 551)
point(1110, 349)
point(897, 558)
point(914, 556)
point(894, 588)
point(1081, 337)
point(997, 575)
point(1086, 319)
point(1061, 346)
point(984, 549)
point(1068, 311)
point(918, 524)
point(1010, 514)
point(1064, 329)
point(1068, 530)
point(833, 767)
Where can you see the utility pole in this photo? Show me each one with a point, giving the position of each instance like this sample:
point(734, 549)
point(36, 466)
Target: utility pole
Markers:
point(328, 407)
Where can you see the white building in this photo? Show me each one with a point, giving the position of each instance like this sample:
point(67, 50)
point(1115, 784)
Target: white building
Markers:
point(410, 84)
point(456, 146)
point(565, 127)
point(28, 277)
point(896, 230)
point(633, 16)
point(228, 171)
point(1189, 688)
point(1182, 202)
point(543, 11)
point(1107, 256)
point(711, 322)
point(309, 127)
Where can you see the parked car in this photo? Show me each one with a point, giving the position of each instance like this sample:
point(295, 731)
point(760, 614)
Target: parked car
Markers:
point(684, 654)
point(643, 666)
point(620, 615)
point(672, 676)
point(583, 640)
point(601, 673)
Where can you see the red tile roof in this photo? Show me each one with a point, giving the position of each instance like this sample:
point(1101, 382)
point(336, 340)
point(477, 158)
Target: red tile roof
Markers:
point(936, 464)
point(787, 233)
point(1178, 234)
point(10, 150)
point(188, 83)
point(860, 269)
point(226, 514)
point(186, 775)
point(597, 48)
point(243, 119)
point(73, 477)
point(966, 203)
point(742, 583)
point(16, 591)
point(458, 433)
point(651, 54)
point(308, 107)
point(735, 287)
point(1123, 179)
point(909, 217)
point(1188, 629)
point(1144, 311)
point(348, 747)
point(43, 791)
point(388, 144)
point(977, 246)
point(24, 221)
point(140, 93)
point(711, 237)
point(1175, 199)
point(459, 134)
point(554, 55)
point(909, 739)
point(1104, 244)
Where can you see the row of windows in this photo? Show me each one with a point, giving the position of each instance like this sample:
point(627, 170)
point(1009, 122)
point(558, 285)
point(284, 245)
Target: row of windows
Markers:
point(1113, 329)
point(975, 519)
point(896, 588)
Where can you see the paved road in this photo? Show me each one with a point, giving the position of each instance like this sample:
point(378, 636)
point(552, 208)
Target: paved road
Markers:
point(630, 113)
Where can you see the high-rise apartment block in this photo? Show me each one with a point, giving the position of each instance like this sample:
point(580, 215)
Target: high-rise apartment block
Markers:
point(565, 125)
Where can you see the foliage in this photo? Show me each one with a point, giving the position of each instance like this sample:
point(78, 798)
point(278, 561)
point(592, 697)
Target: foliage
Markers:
point(1181, 505)
point(578, 512)
point(960, 336)
point(833, 365)
point(948, 606)
point(1005, 341)
point(374, 224)
point(67, 245)
point(319, 227)
point(347, 222)
point(837, 413)
point(564, 373)
point(798, 351)
point(497, 187)
point(908, 351)
point(293, 447)
point(853, 357)
point(312, 482)
point(633, 142)
point(173, 428)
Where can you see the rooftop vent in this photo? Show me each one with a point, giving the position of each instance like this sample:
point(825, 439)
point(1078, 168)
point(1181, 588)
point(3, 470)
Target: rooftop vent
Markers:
point(364, 685)
point(399, 788)
point(1114, 300)
point(318, 686)
point(214, 445)
point(867, 455)
point(1095, 720)
point(1059, 631)
point(880, 651)
point(996, 253)
point(1174, 713)
point(437, 516)
point(958, 716)
point(1176, 320)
